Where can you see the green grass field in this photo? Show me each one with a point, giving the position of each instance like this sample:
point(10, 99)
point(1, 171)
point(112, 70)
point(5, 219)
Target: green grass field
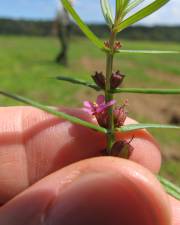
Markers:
point(27, 67)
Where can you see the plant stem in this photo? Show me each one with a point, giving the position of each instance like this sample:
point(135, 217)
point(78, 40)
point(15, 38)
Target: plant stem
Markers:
point(108, 95)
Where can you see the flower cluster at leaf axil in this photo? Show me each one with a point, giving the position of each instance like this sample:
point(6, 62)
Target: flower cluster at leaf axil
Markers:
point(99, 110)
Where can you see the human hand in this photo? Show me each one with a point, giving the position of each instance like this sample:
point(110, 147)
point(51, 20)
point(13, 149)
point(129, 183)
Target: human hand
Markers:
point(45, 179)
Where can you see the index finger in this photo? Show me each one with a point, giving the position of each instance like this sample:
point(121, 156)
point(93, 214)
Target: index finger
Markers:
point(33, 144)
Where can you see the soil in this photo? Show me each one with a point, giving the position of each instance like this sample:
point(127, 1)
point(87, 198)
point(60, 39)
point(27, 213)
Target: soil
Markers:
point(169, 77)
point(90, 64)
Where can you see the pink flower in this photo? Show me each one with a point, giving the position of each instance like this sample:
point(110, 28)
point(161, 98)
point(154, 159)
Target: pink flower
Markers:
point(99, 106)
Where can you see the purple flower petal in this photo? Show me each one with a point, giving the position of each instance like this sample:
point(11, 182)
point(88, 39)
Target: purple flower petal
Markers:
point(89, 111)
point(100, 99)
point(104, 106)
point(101, 108)
point(110, 103)
point(88, 104)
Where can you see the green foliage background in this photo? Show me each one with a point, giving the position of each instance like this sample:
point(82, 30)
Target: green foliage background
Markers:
point(45, 28)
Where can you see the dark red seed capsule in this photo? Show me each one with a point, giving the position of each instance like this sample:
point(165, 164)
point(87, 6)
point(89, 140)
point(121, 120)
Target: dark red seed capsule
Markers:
point(99, 79)
point(122, 149)
point(116, 79)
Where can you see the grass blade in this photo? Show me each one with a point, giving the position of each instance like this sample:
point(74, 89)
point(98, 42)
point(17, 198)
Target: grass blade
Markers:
point(170, 187)
point(131, 127)
point(148, 10)
point(54, 112)
point(107, 12)
point(92, 37)
point(78, 81)
point(147, 91)
point(147, 52)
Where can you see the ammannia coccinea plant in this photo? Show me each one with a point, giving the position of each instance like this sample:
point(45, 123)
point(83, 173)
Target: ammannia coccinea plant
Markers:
point(109, 115)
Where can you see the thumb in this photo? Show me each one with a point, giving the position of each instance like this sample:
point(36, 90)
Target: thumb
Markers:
point(175, 204)
point(99, 191)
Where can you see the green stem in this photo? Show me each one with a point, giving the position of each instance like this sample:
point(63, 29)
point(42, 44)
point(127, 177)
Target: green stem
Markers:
point(147, 91)
point(108, 95)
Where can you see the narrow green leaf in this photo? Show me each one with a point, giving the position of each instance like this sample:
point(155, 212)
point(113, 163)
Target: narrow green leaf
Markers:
point(133, 5)
point(118, 5)
point(170, 187)
point(78, 81)
point(107, 12)
point(121, 90)
point(157, 4)
point(54, 112)
point(147, 52)
point(147, 91)
point(131, 127)
point(92, 37)
point(120, 9)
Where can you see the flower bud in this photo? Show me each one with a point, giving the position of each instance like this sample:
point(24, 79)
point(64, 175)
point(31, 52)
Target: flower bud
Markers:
point(117, 45)
point(122, 149)
point(99, 79)
point(116, 79)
